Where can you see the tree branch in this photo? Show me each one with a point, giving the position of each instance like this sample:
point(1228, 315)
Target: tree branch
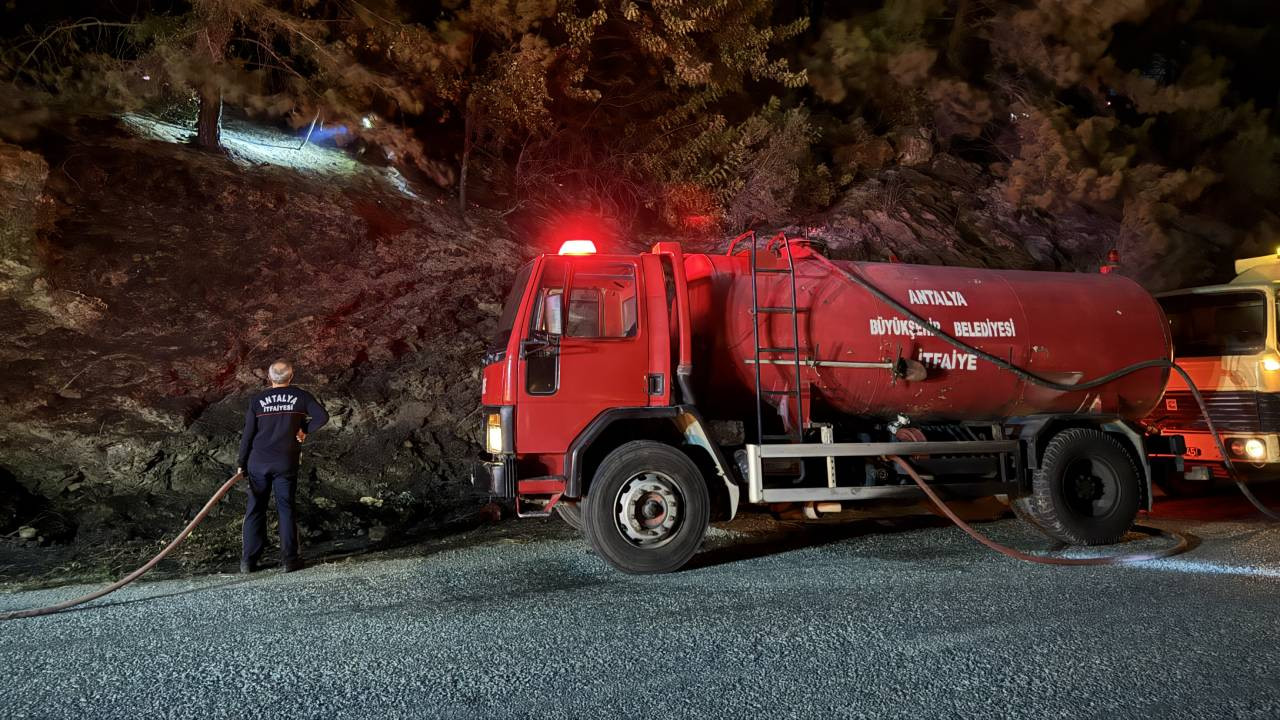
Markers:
point(78, 25)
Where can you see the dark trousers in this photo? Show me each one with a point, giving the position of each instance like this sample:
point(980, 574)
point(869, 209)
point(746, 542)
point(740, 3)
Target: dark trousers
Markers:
point(263, 483)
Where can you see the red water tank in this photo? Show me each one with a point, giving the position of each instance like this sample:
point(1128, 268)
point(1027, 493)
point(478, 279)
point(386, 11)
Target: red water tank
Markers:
point(1067, 327)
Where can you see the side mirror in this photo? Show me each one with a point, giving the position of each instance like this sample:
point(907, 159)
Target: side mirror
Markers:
point(549, 338)
point(538, 341)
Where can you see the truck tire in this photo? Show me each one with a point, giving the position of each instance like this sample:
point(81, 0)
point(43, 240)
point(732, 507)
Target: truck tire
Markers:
point(648, 508)
point(1021, 507)
point(1086, 492)
point(570, 513)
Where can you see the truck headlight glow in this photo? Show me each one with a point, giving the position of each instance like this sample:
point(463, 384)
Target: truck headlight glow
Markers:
point(1271, 364)
point(493, 433)
point(1251, 448)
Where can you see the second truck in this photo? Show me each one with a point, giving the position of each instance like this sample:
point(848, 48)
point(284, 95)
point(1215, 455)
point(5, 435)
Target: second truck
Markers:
point(642, 395)
point(1227, 338)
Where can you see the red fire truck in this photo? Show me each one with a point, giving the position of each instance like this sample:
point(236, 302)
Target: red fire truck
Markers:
point(643, 395)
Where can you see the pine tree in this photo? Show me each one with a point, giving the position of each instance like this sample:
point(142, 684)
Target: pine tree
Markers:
point(1127, 108)
point(276, 59)
point(671, 86)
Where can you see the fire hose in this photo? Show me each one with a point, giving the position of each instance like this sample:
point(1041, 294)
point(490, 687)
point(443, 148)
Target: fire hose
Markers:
point(1182, 545)
point(199, 518)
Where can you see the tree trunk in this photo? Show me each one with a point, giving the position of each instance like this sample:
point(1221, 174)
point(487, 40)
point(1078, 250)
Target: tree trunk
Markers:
point(209, 121)
point(211, 44)
point(958, 36)
point(466, 161)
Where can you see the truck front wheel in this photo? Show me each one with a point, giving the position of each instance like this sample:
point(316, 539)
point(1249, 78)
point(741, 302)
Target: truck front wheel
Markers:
point(647, 509)
point(570, 513)
point(1086, 491)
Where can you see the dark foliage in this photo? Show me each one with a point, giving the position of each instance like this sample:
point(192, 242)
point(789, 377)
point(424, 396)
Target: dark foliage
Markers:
point(710, 115)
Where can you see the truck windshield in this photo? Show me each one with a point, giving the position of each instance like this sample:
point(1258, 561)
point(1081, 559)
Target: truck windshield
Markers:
point(1214, 324)
point(507, 321)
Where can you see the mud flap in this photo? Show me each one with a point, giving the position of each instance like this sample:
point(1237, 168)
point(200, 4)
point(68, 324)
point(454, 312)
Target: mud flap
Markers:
point(695, 434)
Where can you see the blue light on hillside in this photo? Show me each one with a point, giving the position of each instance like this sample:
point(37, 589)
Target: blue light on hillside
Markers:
point(326, 135)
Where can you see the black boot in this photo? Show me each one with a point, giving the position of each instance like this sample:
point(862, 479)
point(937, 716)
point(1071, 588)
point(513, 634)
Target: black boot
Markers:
point(248, 566)
point(293, 565)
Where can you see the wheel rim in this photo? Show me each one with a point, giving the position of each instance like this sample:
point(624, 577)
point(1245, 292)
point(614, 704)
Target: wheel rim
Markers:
point(649, 509)
point(1091, 488)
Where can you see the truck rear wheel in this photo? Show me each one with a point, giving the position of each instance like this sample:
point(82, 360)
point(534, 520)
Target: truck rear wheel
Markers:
point(1086, 491)
point(647, 509)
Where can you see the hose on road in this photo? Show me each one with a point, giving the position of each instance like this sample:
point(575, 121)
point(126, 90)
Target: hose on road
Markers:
point(1182, 545)
point(199, 518)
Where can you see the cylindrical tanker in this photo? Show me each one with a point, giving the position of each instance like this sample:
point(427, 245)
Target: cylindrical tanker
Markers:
point(1067, 327)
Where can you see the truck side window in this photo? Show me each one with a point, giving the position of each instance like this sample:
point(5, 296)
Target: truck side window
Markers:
point(549, 318)
point(603, 301)
point(542, 364)
point(584, 313)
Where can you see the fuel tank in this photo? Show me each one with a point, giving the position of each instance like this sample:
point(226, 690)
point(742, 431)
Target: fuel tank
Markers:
point(1068, 327)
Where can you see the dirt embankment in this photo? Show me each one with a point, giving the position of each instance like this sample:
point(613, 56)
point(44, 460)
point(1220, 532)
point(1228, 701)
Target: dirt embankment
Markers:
point(146, 286)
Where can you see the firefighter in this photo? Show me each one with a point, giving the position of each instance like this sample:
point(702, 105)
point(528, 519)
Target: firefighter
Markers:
point(276, 423)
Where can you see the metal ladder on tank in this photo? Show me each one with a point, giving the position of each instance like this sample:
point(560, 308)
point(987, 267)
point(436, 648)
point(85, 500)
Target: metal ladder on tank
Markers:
point(796, 392)
point(792, 446)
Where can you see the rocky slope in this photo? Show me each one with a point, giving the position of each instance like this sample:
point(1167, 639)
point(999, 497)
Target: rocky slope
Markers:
point(144, 286)
point(147, 285)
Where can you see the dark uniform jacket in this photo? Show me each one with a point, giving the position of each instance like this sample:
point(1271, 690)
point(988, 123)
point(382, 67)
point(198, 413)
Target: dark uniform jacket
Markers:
point(271, 426)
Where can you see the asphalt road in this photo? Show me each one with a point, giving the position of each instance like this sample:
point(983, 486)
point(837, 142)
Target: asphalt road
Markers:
point(909, 620)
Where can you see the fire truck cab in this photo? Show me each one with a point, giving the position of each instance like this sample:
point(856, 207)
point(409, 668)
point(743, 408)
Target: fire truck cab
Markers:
point(1225, 337)
point(584, 350)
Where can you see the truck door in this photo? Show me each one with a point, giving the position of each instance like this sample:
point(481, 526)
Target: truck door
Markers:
point(585, 350)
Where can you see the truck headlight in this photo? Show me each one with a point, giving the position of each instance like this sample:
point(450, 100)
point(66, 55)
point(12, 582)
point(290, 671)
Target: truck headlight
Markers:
point(1251, 448)
point(493, 433)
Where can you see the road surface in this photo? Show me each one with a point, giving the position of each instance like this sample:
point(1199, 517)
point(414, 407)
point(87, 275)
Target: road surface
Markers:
point(875, 620)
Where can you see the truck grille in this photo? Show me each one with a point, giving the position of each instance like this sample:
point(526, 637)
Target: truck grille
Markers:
point(1235, 411)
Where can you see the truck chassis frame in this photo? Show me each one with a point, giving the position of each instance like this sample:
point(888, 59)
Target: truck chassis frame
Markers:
point(758, 454)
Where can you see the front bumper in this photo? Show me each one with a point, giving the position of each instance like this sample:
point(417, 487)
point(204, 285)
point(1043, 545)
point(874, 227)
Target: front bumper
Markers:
point(497, 478)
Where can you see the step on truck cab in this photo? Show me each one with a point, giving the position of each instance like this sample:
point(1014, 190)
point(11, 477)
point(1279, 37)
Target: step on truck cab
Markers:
point(1225, 337)
point(642, 395)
